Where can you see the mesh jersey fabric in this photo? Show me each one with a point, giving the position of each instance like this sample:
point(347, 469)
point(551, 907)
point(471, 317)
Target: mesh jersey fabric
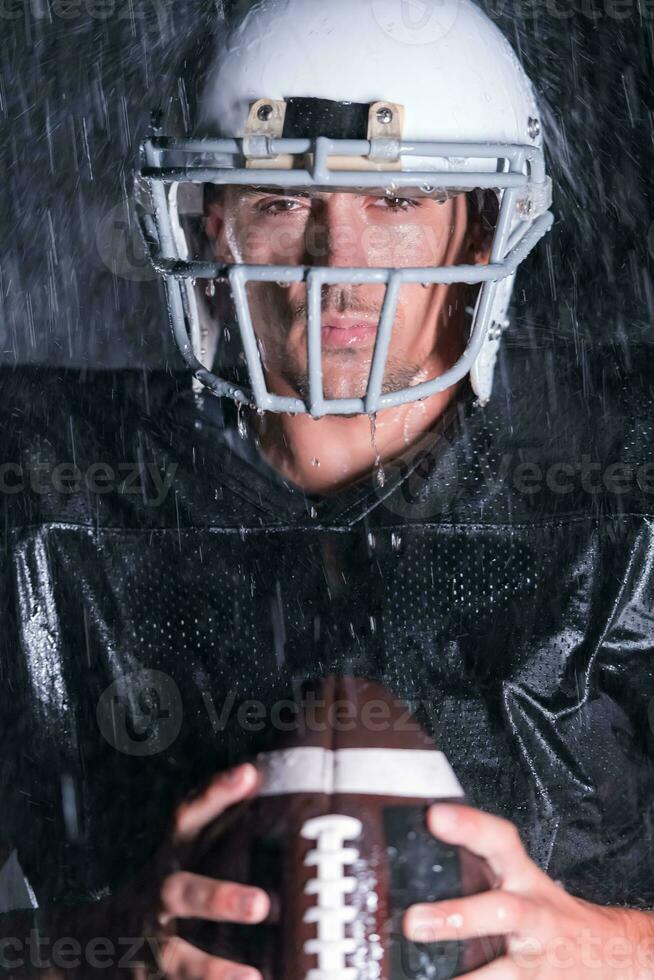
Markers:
point(163, 599)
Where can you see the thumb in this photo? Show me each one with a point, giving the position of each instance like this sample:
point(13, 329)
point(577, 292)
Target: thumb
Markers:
point(221, 792)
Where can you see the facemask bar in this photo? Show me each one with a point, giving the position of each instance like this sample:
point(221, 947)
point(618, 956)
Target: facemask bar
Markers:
point(525, 200)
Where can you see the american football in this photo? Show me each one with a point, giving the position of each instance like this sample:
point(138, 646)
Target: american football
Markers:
point(336, 835)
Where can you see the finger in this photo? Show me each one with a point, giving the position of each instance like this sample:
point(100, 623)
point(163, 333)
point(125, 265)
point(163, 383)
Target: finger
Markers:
point(182, 961)
point(490, 837)
point(495, 913)
point(190, 896)
point(226, 789)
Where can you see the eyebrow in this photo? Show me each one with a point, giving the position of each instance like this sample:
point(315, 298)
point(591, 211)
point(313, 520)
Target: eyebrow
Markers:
point(253, 190)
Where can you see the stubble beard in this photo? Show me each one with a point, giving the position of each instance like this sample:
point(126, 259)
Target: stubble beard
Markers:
point(353, 382)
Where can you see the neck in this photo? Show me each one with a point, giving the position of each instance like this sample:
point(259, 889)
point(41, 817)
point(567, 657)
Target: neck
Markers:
point(324, 455)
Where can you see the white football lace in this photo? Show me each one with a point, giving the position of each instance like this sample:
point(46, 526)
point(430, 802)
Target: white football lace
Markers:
point(330, 886)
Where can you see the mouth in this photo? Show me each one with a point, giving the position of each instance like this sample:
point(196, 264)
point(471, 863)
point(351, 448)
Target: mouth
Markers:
point(352, 331)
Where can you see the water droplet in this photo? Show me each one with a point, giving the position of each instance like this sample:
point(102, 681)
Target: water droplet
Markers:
point(380, 476)
point(315, 461)
point(241, 422)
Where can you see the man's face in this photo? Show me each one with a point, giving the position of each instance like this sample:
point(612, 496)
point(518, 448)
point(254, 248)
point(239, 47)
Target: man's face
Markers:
point(343, 229)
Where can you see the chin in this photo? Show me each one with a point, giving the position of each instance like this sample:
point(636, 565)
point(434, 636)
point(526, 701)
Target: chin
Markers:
point(346, 384)
point(342, 378)
point(346, 374)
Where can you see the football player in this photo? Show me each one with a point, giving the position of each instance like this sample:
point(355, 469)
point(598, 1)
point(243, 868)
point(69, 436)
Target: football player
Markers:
point(342, 480)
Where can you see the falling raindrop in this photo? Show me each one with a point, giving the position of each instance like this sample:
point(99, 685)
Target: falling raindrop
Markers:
point(210, 289)
point(278, 624)
point(241, 422)
point(380, 475)
point(69, 806)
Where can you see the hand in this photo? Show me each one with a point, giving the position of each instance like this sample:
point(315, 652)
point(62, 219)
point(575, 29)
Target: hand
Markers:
point(181, 894)
point(550, 934)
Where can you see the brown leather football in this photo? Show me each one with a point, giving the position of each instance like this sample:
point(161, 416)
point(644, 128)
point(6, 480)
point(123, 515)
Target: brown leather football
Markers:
point(337, 836)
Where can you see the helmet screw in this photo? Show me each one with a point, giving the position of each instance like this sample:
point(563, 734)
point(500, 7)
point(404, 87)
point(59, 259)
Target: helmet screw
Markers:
point(265, 112)
point(533, 127)
point(384, 115)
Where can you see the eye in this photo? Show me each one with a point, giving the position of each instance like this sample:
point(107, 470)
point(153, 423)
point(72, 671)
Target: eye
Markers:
point(397, 203)
point(282, 205)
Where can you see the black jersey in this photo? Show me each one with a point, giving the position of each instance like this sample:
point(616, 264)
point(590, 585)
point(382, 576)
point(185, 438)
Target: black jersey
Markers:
point(164, 595)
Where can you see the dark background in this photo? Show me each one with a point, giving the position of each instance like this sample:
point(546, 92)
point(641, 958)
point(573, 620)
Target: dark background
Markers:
point(78, 79)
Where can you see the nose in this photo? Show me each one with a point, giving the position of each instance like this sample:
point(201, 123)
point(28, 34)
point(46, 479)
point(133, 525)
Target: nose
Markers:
point(335, 236)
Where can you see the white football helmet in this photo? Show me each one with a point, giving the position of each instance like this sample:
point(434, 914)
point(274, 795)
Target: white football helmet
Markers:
point(348, 94)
